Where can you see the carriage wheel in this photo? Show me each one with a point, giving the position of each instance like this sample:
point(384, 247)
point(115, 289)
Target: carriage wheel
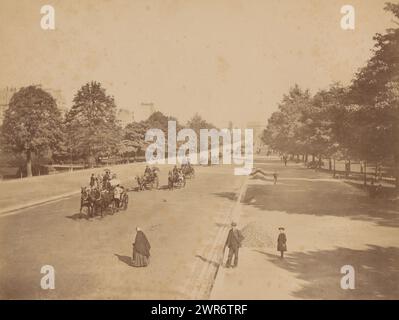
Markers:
point(125, 202)
point(112, 206)
point(85, 211)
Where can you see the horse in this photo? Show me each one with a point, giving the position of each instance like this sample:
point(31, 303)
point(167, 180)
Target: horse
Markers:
point(103, 200)
point(124, 200)
point(177, 179)
point(85, 201)
point(188, 171)
point(140, 182)
point(148, 181)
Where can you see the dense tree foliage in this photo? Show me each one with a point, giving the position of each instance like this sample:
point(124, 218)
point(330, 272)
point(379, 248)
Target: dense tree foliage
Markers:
point(32, 124)
point(359, 122)
point(91, 124)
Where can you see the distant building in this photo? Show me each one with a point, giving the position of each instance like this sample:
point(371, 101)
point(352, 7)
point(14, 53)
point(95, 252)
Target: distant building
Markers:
point(124, 116)
point(59, 98)
point(5, 97)
point(7, 92)
point(257, 128)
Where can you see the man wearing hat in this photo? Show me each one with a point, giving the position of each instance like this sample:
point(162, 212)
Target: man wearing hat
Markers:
point(233, 242)
point(282, 242)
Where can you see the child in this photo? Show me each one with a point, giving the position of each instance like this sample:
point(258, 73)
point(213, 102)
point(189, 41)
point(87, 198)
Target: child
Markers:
point(282, 242)
point(275, 177)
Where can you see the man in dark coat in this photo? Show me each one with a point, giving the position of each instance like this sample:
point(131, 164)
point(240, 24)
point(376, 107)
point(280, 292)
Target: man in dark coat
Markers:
point(141, 250)
point(233, 242)
point(281, 242)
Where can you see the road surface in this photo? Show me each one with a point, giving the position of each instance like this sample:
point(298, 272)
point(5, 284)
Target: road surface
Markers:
point(91, 257)
point(328, 222)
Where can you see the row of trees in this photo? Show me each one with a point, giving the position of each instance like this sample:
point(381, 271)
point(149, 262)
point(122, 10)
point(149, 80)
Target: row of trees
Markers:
point(34, 128)
point(360, 121)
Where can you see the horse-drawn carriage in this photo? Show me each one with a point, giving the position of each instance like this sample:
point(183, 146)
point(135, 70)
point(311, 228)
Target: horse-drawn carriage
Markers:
point(149, 180)
point(176, 179)
point(188, 171)
point(96, 201)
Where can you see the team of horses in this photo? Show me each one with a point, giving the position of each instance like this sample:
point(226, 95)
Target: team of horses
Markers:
point(97, 201)
point(148, 180)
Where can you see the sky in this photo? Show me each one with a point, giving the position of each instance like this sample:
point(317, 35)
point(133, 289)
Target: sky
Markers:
point(228, 60)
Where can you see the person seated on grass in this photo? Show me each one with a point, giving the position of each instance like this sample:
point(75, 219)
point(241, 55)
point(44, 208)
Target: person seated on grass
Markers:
point(256, 171)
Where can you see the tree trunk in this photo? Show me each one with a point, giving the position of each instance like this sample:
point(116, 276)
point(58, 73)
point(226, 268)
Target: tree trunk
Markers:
point(28, 163)
point(396, 163)
point(313, 158)
point(329, 164)
point(365, 172)
point(334, 168)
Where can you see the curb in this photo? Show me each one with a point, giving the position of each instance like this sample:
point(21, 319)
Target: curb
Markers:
point(204, 273)
point(8, 210)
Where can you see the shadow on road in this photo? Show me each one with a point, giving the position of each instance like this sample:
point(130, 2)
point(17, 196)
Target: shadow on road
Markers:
point(229, 195)
point(376, 272)
point(320, 198)
point(124, 259)
point(78, 216)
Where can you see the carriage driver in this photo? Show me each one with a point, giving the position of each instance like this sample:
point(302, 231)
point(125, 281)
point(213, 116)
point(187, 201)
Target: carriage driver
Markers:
point(147, 171)
point(175, 171)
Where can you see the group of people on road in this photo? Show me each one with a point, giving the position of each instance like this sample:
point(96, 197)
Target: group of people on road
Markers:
point(107, 182)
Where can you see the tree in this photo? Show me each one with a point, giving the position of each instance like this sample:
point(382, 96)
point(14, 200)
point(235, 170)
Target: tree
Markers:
point(284, 128)
point(134, 137)
point(32, 124)
point(386, 124)
point(197, 123)
point(382, 67)
point(91, 123)
point(321, 125)
point(374, 90)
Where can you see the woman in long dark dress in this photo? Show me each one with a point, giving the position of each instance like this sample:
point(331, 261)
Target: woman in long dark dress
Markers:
point(141, 250)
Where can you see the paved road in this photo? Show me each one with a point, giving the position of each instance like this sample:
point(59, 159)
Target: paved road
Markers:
point(329, 224)
point(91, 257)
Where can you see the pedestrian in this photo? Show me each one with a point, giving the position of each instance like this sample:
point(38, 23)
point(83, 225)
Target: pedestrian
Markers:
point(285, 160)
point(141, 250)
point(275, 177)
point(282, 242)
point(233, 242)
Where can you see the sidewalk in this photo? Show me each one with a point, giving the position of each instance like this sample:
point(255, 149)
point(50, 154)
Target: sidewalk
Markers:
point(23, 193)
point(328, 225)
point(255, 278)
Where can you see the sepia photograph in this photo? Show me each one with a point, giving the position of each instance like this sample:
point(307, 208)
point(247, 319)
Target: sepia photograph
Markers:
point(199, 150)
